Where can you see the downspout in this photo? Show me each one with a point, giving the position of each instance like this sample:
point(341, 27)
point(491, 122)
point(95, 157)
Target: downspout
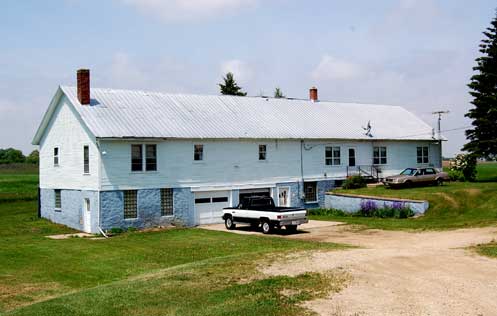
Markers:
point(99, 226)
point(301, 192)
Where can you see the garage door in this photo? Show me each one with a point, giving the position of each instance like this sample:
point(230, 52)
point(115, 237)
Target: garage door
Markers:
point(209, 206)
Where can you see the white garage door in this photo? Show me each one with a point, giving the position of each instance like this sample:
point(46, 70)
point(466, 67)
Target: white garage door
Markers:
point(209, 206)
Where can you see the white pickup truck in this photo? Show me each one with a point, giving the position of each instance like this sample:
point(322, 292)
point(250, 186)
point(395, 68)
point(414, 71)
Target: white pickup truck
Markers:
point(260, 210)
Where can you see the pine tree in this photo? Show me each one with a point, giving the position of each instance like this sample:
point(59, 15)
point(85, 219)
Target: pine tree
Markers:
point(278, 94)
point(230, 87)
point(483, 136)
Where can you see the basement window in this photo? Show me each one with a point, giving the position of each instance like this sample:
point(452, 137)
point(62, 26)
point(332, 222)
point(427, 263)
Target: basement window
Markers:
point(136, 158)
point(332, 156)
point(130, 204)
point(262, 152)
point(310, 192)
point(86, 159)
point(379, 155)
point(56, 156)
point(422, 154)
point(166, 202)
point(198, 152)
point(58, 200)
point(151, 157)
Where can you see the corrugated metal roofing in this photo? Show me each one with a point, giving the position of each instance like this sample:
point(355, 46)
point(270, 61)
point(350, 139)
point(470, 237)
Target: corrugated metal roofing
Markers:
point(127, 113)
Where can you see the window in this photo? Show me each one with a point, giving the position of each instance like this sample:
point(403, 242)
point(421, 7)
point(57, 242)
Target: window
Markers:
point(262, 152)
point(136, 158)
point(332, 156)
point(56, 156)
point(430, 171)
point(58, 200)
point(198, 152)
point(151, 157)
point(86, 159)
point(351, 157)
point(379, 156)
point(310, 192)
point(166, 202)
point(130, 205)
point(202, 200)
point(219, 199)
point(422, 154)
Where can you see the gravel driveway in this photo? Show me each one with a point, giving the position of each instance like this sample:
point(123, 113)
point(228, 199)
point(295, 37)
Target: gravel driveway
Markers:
point(399, 273)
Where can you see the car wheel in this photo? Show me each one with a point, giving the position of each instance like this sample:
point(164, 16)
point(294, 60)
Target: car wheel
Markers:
point(291, 228)
point(228, 222)
point(266, 227)
point(440, 182)
point(408, 184)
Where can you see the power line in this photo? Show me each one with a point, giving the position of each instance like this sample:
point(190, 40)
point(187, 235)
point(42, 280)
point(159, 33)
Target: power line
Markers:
point(431, 133)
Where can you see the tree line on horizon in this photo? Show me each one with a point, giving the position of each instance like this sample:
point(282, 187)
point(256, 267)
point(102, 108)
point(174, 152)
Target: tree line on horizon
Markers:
point(12, 155)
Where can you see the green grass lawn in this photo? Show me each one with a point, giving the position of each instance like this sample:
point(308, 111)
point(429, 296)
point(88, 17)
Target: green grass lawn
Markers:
point(454, 205)
point(170, 272)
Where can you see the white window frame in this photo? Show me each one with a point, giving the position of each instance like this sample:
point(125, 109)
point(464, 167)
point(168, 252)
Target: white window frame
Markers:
point(131, 154)
point(332, 158)
point(58, 192)
point(380, 157)
point(146, 158)
point(56, 157)
point(202, 157)
point(86, 162)
point(263, 152)
point(315, 192)
point(423, 155)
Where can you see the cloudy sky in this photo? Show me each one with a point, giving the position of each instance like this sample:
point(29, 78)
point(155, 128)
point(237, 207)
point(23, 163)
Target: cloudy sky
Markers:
point(414, 53)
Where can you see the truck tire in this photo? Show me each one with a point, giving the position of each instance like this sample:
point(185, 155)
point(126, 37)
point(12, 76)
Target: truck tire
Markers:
point(266, 226)
point(291, 228)
point(228, 222)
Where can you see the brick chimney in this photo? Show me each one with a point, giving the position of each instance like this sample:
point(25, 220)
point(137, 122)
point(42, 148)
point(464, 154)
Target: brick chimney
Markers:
point(83, 79)
point(313, 94)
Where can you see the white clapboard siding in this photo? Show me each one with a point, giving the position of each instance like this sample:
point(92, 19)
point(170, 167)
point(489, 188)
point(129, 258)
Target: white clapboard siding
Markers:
point(235, 162)
point(66, 132)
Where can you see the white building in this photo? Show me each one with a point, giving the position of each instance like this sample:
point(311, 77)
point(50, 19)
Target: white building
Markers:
point(119, 158)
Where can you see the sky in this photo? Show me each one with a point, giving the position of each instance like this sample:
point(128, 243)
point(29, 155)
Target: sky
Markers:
point(415, 53)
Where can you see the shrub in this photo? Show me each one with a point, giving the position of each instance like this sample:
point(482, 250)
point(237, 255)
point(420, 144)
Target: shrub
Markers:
point(327, 212)
point(116, 230)
point(465, 164)
point(398, 209)
point(455, 175)
point(132, 229)
point(354, 182)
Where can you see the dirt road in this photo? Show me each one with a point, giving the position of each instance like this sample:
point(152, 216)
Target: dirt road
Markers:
point(400, 273)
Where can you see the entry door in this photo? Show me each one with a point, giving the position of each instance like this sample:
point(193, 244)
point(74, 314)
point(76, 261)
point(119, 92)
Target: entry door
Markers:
point(284, 196)
point(86, 215)
point(351, 157)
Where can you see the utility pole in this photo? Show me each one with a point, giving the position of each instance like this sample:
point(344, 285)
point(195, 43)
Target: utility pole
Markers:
point(440, 113)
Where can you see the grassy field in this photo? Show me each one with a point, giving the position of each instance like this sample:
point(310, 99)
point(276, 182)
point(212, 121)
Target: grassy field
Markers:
point(489, 250)
point(454, 205)
point(170, 272)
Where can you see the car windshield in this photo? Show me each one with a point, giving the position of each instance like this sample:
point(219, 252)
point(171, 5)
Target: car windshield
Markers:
point(408, 172)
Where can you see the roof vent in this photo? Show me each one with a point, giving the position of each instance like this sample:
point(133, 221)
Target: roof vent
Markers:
point(83, 85)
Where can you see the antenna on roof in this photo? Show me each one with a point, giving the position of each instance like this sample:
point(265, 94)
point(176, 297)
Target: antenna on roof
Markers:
point(367, 129)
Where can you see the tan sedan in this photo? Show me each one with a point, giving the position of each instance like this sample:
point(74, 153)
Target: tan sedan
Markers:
point(416, 176)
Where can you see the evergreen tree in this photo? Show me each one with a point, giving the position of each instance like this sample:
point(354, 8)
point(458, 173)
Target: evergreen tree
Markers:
point(278, 94)
point(483, 136)
point(230, 87)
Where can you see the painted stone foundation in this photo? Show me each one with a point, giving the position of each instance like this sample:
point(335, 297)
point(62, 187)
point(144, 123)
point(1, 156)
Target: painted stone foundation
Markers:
point(71, 213)
point(352, 203)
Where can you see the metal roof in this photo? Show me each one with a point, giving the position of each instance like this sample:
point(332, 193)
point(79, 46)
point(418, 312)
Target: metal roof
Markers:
point(127, 113)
